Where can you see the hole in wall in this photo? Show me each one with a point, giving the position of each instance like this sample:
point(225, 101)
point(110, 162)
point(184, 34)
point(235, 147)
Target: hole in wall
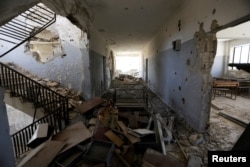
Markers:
point(179, 88)
point(186, 79)
point(214, 11)
point(45, 46)
point(183, 100)
point(188, 62)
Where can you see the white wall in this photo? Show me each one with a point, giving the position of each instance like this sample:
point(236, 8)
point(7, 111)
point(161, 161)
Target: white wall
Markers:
point(221, 59)
point(237, 73)
point(67, 69)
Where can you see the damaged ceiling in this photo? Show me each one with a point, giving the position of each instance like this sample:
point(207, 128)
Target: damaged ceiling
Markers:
point(126, 25)
point(129, 25)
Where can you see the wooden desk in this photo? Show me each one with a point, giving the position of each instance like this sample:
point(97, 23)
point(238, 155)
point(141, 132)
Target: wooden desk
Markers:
point(224, 86)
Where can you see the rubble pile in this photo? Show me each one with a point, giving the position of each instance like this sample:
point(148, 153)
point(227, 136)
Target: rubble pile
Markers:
point(73, 97)
point(119, 132)
point(104, 135)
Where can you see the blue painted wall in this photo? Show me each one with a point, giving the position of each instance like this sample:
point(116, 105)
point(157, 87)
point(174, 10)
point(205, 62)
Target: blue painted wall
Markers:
point(173, 75)
point(96, 73)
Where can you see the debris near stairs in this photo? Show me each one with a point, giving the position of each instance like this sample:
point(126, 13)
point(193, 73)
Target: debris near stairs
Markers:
point(104, 135)
point(73, 97)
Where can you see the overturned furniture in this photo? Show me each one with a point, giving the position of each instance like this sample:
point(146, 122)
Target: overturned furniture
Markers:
point(130, 98)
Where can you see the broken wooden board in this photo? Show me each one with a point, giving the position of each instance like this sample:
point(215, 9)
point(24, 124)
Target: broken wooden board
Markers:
point(114, 138)
point(90, 104)
point(73, 135)
point(42, 155)
point(154, 158)
point(124, 129)
point(108, 115)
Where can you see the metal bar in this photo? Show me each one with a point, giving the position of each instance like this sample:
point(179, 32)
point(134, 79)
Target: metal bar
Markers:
point(18, 144)
point(34, 18)
point(9, 25)
point(32, 35)
point(49, 16)
point(45, 9)
point(38, 15)
point(11, 36)
point(15, 23)
point(26, 24)
point(21, 28)
point(13, 33)
point(19, 81)
point(235, 120)
point(8, 41)
point(30, 19)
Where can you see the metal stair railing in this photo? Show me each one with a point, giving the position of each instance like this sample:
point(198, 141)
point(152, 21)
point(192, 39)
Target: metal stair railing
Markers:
point(25, 26)
point(22, 137)
point(41, 96)
point(33, 91)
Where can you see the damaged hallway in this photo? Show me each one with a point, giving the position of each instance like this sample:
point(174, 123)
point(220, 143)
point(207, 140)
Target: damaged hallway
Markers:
point(177, 52)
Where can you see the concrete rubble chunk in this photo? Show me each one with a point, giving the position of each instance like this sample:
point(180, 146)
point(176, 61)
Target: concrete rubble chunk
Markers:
point(196, 139)
point(194, 161)
point(52, 84)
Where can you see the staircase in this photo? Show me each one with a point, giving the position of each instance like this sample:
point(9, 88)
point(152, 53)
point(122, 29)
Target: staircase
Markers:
point(25, 26)
point(53, 103)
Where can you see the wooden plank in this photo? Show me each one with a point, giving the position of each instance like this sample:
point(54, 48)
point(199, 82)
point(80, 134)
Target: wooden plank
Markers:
point(73, 135)
point(90, 104)
point(114, 138)
point(124, 129)
point(43, 155)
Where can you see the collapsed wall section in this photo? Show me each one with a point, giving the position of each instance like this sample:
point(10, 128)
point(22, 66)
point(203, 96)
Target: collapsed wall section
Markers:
point(180, 74)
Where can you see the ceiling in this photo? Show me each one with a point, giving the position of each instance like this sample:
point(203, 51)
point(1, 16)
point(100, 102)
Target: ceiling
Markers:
point(241, 31)
point(129, 25)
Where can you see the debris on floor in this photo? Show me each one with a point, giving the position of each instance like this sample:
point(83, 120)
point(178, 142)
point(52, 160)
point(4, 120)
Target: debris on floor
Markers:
point(106, 135)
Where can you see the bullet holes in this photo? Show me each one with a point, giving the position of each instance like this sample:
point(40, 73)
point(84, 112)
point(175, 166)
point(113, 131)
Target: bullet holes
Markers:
point(214, 11)
point(186, 79)
point(179, 25)
point(175, 73)
point(183, 100)
point(188, 62)
point(179, 88)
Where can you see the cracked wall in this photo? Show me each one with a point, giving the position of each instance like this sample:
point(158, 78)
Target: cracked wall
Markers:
point(182, 78)
point(45, 46)
point(64, 65)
